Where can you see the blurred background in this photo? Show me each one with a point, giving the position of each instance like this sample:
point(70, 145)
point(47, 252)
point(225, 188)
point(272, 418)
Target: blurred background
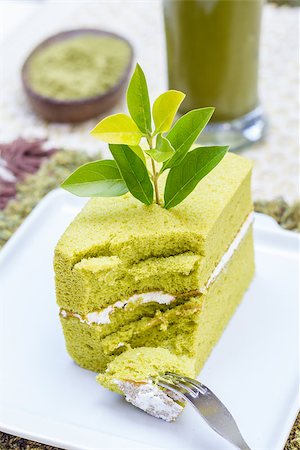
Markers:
point(240, 56)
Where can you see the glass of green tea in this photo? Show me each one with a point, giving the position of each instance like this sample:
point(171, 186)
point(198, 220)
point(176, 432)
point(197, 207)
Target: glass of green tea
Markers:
point(213, 56)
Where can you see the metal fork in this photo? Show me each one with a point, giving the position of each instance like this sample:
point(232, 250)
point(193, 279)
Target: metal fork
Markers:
point(207, 404)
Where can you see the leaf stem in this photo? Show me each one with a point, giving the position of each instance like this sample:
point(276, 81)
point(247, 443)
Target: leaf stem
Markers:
point(155, 174)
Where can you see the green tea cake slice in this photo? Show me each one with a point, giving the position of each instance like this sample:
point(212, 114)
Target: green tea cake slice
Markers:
point(151, 270)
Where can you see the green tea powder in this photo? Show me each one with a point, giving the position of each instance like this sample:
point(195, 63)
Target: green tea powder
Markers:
point(79, 67)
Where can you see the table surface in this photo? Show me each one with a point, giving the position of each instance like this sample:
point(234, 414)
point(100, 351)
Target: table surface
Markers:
point(25, 24)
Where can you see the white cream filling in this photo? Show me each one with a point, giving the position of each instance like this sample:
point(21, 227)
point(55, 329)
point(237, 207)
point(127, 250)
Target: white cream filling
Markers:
point(103, 317)
point(229, 253)
point(151, 399)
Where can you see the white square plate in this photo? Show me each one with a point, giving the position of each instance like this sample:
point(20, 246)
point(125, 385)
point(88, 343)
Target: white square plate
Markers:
point(46, 397)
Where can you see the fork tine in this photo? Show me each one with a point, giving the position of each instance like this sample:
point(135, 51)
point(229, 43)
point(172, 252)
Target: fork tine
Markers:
point(171, 387)
point(184, 388)
point(184, 385)
point(201, 388)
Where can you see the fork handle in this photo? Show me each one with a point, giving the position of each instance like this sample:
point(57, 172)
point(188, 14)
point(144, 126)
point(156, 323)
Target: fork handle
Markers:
point(217, 416)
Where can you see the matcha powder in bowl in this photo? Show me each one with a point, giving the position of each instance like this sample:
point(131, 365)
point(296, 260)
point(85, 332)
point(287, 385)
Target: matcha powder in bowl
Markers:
point(74, 68)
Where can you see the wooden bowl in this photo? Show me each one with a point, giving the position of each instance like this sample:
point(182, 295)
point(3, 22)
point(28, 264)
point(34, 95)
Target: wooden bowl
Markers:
point(55, 110)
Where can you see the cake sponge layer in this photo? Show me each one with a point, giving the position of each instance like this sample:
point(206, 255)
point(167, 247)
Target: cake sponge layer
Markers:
point(111, 236)
point(190, 329)
point(142, 364)
point(87, 346)
point(96, 283)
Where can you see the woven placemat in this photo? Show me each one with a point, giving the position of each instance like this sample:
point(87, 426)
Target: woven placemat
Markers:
point(51, 173)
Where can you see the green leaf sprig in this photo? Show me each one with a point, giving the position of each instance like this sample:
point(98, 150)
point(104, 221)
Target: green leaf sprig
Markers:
point(169, 146)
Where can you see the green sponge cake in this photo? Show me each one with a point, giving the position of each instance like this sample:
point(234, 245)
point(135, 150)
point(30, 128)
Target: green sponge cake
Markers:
point(130, 275)
point(135, 373)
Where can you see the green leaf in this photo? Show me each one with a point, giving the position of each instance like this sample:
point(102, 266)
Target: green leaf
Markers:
point(134, 172)
point(96, 179)
point(183, 178)
point(138, 151)
point(117, 129)
point(163, 150)
point(165, 108)
point(184, 133)
point(138, 100)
